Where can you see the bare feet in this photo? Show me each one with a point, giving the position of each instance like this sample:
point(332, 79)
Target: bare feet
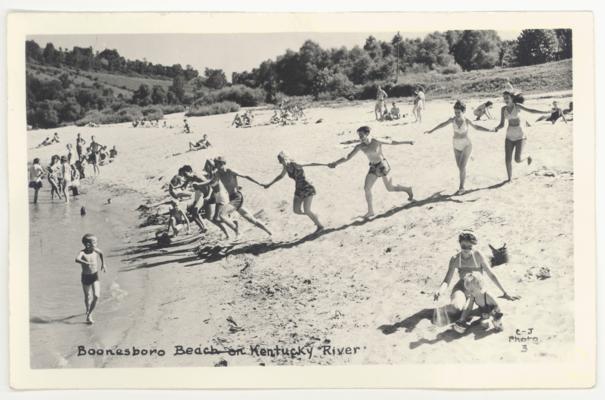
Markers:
point(529, 160)
point(89, 320)
point(319, 229)
point(460, 192)
point(368, 215)
point(410, 193)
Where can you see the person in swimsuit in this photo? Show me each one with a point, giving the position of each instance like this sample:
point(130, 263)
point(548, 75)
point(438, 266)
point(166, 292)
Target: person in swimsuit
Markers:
point(179, 182)
point(228, 178)
point(477, 295)
point(54, 171)
point(555, 114)
point(36, 172)
point(304, 191)
point(419, 100)
point(395, 112)
point(379, 166)
point(55, 138)
point(381, 96)
point(482, 110)
point(95, 148)
point(88, 259)
point(177, 218)
point(515, 137)
point(79, 143)
point(462, 143)
point(467, 261)
point(214, 200)
point(45, 142)
point(66, 175)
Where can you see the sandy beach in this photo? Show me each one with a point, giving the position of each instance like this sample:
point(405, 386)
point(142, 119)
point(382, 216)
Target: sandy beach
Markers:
point(360, 284)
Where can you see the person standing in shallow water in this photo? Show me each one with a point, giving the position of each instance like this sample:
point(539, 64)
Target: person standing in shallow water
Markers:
point(36, 172)
point(88, 259)
point(379, 166)
point(304, 191)
point(515, 136)
point(462, 143)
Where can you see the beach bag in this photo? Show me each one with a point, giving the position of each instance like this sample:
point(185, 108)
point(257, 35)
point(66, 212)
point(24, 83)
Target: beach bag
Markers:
point(499, 256)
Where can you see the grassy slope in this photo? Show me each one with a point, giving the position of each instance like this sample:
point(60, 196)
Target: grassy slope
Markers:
point(555, 76)
point(118, 83)
point(549, 77)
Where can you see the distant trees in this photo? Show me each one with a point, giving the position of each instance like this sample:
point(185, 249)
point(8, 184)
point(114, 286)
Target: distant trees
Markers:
point(476, 49)
point(536, 46)
point(109, 60)
point(215, 78)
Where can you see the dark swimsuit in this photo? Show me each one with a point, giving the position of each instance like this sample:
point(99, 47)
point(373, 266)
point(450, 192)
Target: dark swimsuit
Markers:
point(303, 188)
point(89, 279)
point(236, 199)
point(380, 169)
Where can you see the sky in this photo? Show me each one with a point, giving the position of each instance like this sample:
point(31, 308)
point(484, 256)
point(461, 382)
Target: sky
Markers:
point(229, 52)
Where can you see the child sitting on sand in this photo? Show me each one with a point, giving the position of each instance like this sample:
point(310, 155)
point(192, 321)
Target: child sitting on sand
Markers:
point(395, 113)
point(177, 218)
point(556, 113)
point(477, 294)
point(88, 259)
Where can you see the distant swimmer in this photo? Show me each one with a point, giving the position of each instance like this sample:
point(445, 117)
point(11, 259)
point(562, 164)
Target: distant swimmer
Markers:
point(482, 110)
point(304, 191)
point(88, 258)
point(228, 178)
point(462, 143)
point(515, 136)
point(379, 166)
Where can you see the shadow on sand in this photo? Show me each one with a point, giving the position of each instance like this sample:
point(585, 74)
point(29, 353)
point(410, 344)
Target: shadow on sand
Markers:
point(209, 254)
point(65, 320)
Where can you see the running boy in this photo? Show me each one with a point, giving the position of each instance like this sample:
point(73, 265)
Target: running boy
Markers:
point(88, 259)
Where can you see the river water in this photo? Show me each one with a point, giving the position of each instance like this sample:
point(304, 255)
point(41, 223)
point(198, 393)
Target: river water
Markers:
point(56, 301)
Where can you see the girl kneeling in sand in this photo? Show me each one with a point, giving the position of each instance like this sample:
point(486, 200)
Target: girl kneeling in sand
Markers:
point(304, 190)
point(462, 143)
point(515, 137)
point(379, 166)
point(467, 261)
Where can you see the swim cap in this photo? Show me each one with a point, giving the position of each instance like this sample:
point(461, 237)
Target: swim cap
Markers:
point(220, 159)
point(283, 156)
point(467, 235)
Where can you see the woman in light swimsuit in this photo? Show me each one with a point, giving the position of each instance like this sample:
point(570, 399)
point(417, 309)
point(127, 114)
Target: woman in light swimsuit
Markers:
point(304, 190)
point(54, 171)
point(467, 261)
point(462, 143)
point(379, 166)
point(418, 103)
point(515, 137)
point(381, 95)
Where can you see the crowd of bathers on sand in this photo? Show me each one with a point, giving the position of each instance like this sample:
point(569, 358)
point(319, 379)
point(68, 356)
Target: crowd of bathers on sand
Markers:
point(65, 172)
point(213, 195)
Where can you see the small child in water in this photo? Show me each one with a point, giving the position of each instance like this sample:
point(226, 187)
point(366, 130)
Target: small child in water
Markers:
point(88, 259)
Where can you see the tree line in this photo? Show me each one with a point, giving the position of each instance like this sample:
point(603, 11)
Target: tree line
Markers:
point(108, 60)
point(312, 70)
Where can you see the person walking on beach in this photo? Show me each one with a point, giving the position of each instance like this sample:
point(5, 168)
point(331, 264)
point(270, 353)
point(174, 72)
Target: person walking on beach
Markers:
point(304, 191)
point(88, 258)
point(228, 178)
point(36, 172)
point(79, 143)
point(419, 100)
point(466, 262)
point(379, 166)
point(515, 136)
point(381, 96)
point(462, 143)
